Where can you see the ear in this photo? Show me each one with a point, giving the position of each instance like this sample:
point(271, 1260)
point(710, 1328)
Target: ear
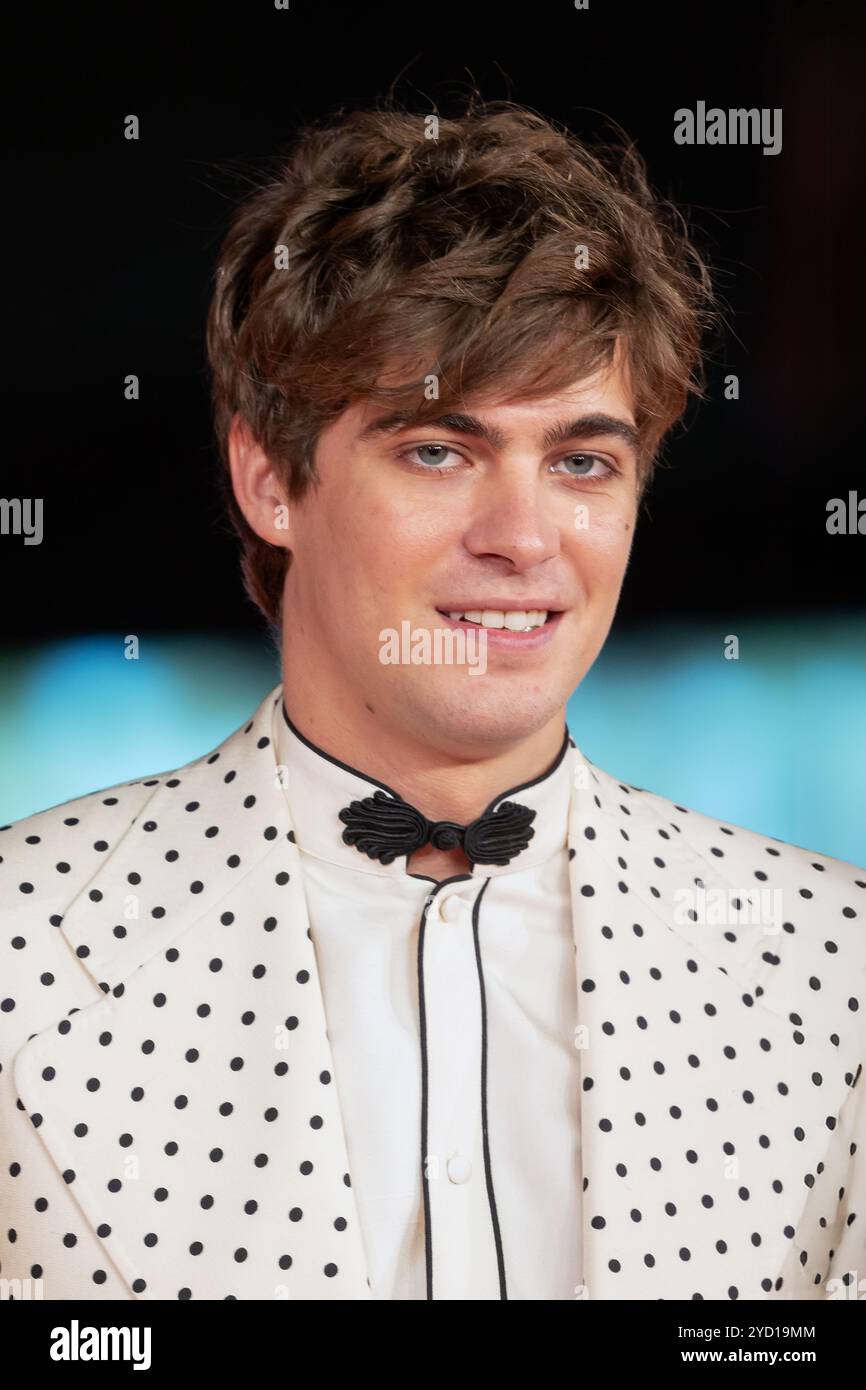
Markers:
point(257, 488)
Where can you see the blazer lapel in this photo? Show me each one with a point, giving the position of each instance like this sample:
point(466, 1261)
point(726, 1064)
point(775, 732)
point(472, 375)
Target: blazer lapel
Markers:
point(193, 1106)
point(701, 1113)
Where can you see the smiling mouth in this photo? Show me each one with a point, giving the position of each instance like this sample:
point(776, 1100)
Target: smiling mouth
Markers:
point(518, 620)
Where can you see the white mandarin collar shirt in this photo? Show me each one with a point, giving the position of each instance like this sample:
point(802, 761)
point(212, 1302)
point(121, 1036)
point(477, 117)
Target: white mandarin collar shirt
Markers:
point(451, 1011)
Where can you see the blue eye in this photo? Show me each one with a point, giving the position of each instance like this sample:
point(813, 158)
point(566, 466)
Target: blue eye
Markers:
point(430, 465)
point(432, 458)
point(437, 449)
point(589, 459)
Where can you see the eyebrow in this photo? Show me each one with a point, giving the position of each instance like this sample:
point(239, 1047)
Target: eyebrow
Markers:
point(583, 427)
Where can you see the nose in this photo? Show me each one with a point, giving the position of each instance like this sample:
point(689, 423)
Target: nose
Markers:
point(512, 518)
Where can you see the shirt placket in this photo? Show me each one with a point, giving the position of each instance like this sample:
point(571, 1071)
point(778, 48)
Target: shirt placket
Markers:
point(463, 1245)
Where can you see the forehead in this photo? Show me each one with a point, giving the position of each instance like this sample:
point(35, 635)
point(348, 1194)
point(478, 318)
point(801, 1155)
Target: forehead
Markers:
point(606, 393)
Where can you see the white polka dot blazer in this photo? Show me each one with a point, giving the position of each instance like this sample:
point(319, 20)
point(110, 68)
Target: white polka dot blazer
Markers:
point(169, 1121)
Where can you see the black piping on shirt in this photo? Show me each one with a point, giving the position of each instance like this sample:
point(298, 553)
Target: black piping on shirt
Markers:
point(488, 1176)
point(422, 1016)
point(422, 1013)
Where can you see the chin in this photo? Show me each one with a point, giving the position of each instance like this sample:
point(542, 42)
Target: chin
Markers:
point(497, 712)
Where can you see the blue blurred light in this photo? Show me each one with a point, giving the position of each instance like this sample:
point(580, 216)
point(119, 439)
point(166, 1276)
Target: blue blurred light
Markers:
point(774, 741)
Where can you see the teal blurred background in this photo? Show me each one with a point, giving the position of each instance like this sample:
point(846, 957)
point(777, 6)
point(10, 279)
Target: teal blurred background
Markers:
point(774, 741)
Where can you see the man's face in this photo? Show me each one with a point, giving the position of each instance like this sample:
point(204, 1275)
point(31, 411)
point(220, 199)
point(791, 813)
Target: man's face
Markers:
point(508, 508)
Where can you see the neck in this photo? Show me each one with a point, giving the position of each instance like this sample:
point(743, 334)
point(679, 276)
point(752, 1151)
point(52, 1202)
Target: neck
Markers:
point(445, 783)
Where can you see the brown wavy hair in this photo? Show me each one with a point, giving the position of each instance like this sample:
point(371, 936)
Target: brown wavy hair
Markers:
point(453, 246)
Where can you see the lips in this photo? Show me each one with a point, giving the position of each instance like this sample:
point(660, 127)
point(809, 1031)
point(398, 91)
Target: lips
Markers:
point(503, 605)
point(493, 614)
point(504, 638)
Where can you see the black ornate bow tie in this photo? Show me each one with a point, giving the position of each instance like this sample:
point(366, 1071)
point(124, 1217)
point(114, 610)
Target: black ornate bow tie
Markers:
point(384, 827)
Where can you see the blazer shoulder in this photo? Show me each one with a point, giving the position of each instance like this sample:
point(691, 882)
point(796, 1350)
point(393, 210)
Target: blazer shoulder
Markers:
point(48, 858)
point(788, 920)
point(718, 839)
point(50, 855)
point(722, 842)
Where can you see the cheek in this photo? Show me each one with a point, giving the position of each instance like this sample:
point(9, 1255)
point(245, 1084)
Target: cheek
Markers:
point(403, 540)
point(343, 530)
point(600, 553)
point(368, 551)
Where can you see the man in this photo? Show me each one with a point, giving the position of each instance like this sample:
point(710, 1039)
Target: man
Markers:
point(395, 994)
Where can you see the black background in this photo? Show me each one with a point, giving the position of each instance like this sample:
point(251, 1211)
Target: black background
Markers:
point(110, 245)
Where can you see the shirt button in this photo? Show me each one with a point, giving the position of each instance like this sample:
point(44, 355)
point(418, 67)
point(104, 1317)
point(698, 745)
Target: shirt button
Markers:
point(459, 1168)
point(451, 909)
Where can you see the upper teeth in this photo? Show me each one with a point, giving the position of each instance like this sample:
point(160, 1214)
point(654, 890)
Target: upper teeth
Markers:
point(517, 621)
